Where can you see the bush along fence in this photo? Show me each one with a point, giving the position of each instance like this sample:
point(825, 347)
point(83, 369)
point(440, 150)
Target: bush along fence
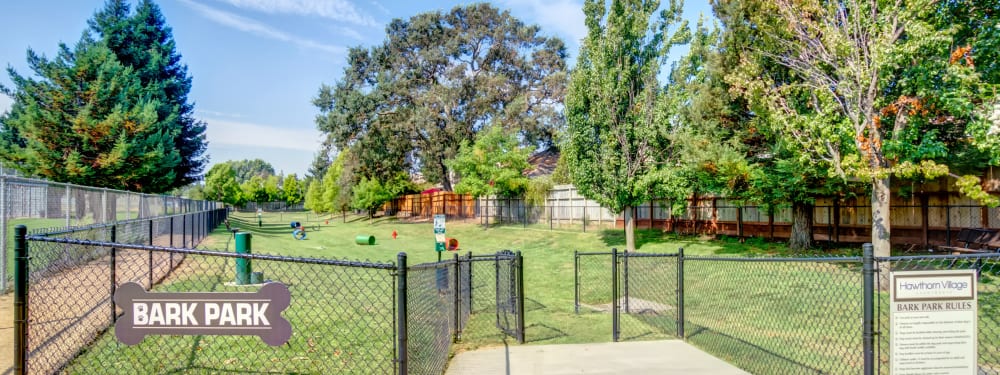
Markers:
point(39, 203)
point(345, 316)
point(826, 315)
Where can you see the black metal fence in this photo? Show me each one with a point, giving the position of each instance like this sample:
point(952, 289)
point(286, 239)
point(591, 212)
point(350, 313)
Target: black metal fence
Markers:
point(347, 316)
point(820, 315)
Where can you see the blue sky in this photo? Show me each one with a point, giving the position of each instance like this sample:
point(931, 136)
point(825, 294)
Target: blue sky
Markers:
point(257, 64)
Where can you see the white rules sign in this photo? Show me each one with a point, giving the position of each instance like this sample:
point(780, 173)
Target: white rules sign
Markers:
point(254, 314)
point(933, 319)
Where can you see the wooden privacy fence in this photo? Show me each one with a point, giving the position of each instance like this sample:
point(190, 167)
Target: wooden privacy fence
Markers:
point(425, 206)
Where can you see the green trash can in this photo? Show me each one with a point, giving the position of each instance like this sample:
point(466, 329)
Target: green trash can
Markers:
point(363, 239)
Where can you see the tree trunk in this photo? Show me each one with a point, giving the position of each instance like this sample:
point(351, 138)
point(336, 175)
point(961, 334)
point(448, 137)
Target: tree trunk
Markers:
point(802, 226)
point(445, 180)
point(880, 217)
point(629, 229)
point(880, 228)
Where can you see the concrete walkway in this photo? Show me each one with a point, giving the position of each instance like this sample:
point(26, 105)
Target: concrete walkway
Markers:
point(629, 358)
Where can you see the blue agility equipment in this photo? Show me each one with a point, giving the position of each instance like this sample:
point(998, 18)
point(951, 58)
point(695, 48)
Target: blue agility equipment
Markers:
point(299, 234)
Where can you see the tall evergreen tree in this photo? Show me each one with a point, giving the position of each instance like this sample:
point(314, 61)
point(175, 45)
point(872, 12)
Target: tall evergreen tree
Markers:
point(112, 111)
point(143, 41)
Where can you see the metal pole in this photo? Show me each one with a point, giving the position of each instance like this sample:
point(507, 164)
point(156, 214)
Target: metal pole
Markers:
point(172, 243)
point(680, 293)
point(614, 294)
point(150, 255)
point(20, 300)
point(625, 281)
point(470, 282)
point(184, 230)
point(401, 328)
point(67, 205)
point(458, 303)
point(114, 276)
point(868, 322)
point(3, 233)
point(576, 281)
point(520, 298)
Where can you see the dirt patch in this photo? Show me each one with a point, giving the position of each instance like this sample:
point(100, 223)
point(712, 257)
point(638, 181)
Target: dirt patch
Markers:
point(6, 331)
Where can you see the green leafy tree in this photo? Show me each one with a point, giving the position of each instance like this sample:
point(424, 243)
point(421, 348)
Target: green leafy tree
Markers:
point(331, 188)
point(493, 165)
point(314, 196)
point(221, 185)
point(143, 41)
point(87, 120)
point(437, 80)
point(254, 191)
point(272, 187)
point(247, 168)
point(371, 194)
point(292, 190)
point(877, 94)
point(615, 146)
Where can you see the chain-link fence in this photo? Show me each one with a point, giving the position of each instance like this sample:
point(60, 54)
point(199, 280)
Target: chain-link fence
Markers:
point(347, 316)
point(44, 204)
point(773, 315)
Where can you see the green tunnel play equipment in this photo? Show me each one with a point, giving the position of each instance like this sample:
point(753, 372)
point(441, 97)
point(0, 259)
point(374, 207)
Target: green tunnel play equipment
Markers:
point(364, 239)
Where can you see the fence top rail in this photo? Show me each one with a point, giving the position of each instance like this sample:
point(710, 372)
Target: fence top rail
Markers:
point(52, 231)
point(594, 253)
point(775, 259)
point(897, 258)
point(441, 264)
point(281, 258)
point(649, 255)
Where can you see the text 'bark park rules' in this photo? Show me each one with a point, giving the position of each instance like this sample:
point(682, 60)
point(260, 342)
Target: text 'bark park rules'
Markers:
point(933, 322)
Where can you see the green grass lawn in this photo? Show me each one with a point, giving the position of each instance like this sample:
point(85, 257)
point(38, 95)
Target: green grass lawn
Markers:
point(764, 317)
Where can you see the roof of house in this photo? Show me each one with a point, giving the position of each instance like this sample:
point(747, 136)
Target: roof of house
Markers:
point(542, 163)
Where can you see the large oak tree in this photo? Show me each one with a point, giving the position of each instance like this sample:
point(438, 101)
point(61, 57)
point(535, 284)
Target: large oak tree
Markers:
point(437, 80)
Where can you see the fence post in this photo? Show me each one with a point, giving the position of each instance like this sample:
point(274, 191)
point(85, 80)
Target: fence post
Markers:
point(625, 280)
point(20, 300)
point(614, 294)
point(680, 293)
point(947, 222)
point(520, 298)
point(172, 243)
point(868, 322)
point(576, 281)
point(3, 233)
point(151, 255)
point(470, 282)
point(114, 269)
point(550, 217)
point(401, 329)
point(67, 205)
point(184, 230)
point(458, 303)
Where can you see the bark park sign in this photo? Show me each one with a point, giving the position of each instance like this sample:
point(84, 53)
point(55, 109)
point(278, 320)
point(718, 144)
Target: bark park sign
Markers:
point(247, 314)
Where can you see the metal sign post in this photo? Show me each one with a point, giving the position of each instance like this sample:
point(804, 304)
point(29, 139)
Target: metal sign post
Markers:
point(439, 238)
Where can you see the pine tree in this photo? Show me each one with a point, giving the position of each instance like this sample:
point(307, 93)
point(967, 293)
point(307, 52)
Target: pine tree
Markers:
point(144, 42)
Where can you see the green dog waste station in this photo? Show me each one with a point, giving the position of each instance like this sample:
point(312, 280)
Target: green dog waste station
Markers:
point(243, 266)
point(362, 239)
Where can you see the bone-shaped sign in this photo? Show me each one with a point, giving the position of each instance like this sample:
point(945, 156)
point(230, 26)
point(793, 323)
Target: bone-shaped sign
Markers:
point(252, 314)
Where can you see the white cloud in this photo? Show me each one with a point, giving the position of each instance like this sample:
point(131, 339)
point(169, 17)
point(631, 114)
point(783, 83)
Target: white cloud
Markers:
point(5, 103)
point(351, 33)
point(257, 28)
point(380, 7)
point(337, 10)
point(561, 17)
point(232, 133)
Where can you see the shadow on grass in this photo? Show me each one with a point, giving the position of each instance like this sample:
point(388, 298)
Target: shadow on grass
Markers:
point(747, 355)
point(536, 332)
point(616, 238)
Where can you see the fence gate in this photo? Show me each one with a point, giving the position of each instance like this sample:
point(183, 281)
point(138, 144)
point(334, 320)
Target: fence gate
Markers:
point(510, 294)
